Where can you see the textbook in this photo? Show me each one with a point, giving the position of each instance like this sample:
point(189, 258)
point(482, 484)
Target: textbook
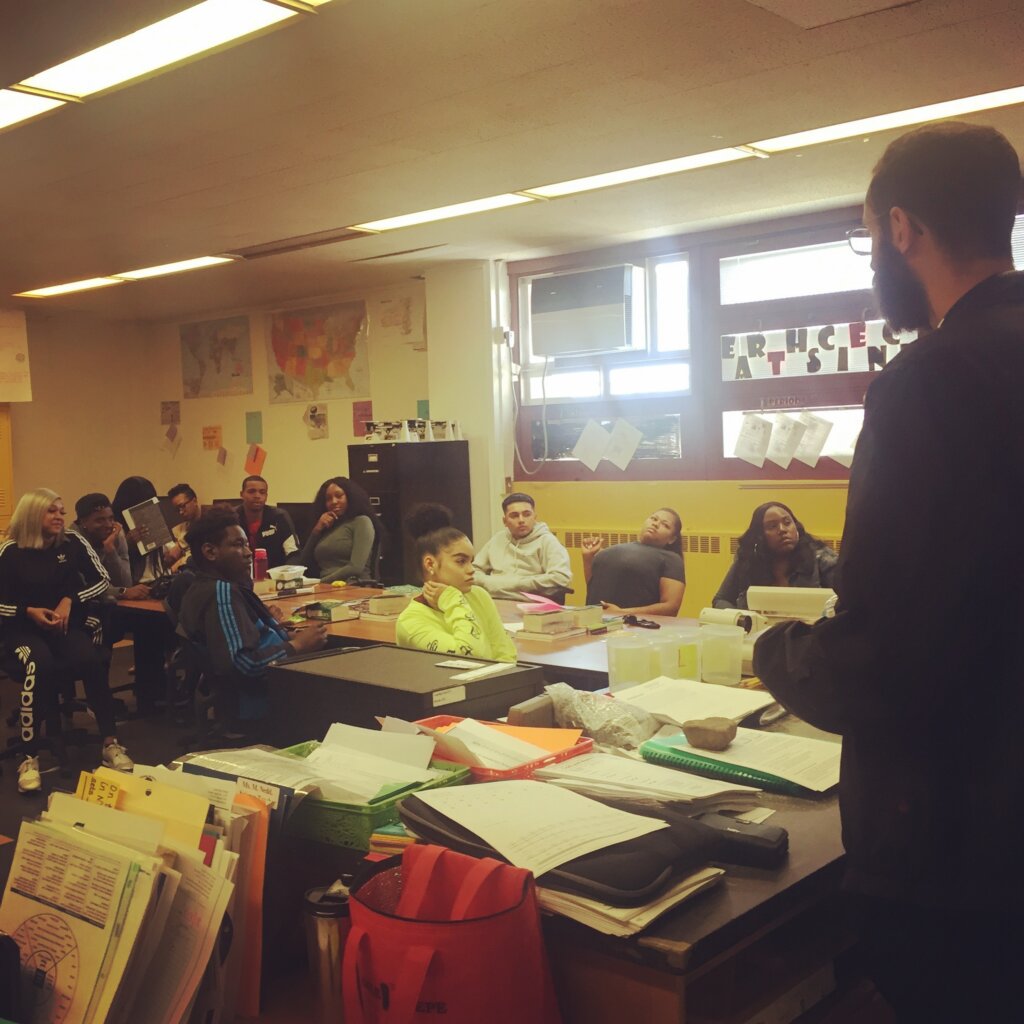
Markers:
point(550, 638)
point(549, 621)
point(329, 611)
point(388, 604)
point(775, 761)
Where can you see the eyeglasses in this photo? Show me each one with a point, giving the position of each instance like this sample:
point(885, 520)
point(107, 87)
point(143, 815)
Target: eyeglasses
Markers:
point(860, 241)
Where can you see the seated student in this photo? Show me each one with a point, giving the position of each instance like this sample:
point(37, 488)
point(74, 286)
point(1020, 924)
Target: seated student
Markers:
point(220, 613)
point(524, 556)
point(775, 551)
point(644, 577)
point(341, 541)
point(149, 566)
point(451, 616)
point(46, 579)
point(267, 527)
point(186, 503)
point(96, 525)
point(104, 537)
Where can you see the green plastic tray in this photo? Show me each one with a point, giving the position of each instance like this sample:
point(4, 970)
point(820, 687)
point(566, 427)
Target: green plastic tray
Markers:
point(352, 825)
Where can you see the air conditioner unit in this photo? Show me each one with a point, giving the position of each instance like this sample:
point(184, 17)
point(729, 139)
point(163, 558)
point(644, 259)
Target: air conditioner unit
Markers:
point(588, 312)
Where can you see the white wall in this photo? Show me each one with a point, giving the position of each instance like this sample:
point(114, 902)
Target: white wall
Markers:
point(469, 376)
point(95, 417)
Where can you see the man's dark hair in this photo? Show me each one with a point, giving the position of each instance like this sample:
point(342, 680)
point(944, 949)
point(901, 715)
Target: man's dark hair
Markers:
point(183, 489)
point(209, 528)
point(960, 180)
point(89, 503)
point(514, 497)
point(248, 478)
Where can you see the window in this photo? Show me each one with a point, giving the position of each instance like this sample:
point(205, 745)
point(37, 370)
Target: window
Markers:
point(838, 446)
point(650, 357)
point(789, 273)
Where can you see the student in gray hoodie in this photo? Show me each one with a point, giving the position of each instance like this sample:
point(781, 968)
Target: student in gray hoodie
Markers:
point(524, 556)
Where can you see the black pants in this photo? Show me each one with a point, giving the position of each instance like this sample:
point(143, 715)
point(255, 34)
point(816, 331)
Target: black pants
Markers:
point(42, 663)
point(936, 965)
point(151, 636)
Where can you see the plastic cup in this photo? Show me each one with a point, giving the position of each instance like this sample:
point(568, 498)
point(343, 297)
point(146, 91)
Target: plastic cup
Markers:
point(688, 657)
point(721, 653)
point(629, 661)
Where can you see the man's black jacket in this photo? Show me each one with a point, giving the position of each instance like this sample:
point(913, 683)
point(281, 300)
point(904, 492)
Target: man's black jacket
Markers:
point(922, 669)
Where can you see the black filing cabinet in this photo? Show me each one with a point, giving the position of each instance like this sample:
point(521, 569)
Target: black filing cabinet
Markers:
point(399, 476)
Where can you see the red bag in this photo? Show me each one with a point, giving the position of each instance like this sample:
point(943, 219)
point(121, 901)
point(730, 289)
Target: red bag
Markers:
point(447, 937)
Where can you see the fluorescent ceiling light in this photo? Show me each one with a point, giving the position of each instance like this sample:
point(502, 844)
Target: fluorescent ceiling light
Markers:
point(71, 286)
point(898, 119)
point(173, 268)
point(443, 212)
point(193, 31)
point(20, 106)
point(628, 174)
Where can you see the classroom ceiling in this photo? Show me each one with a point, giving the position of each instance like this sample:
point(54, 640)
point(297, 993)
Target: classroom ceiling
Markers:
point(374, 108)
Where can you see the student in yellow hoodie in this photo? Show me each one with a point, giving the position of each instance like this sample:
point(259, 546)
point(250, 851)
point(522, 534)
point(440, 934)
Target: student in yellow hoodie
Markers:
point(451, 616)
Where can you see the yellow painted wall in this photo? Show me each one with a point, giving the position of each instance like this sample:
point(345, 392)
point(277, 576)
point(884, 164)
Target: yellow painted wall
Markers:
point(709, 509)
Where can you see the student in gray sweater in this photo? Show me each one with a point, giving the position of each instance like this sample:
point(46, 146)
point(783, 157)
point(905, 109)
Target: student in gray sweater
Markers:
point(341, 541)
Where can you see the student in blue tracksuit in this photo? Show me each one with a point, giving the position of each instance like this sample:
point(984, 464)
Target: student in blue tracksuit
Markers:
point(237, 631)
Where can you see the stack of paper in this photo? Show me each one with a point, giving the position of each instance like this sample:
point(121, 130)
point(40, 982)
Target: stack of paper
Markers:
point(491, 748)
point(678, 700)
point(807, 762)
point(117, 911)
point(603, 917)
point(536, 826)
point(597, 775)
point(351, 765)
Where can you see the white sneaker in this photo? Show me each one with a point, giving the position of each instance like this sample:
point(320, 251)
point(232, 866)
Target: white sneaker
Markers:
point(29, 779)
point(116, 757)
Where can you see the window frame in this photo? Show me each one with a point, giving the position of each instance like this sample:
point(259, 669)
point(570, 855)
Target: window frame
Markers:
point(604, 362)
point(701, 408)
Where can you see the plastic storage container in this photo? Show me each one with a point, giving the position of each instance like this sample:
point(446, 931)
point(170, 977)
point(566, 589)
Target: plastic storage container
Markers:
point(721, 652)
point(676, 653)
point(583, 745)
point(629, 661)
point(351, 825)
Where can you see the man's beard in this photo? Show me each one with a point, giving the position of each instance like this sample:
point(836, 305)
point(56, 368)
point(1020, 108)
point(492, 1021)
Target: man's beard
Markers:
point(901, 296)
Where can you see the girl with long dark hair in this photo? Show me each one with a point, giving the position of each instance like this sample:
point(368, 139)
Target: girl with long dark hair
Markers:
point(341, 541)
point(775, 551)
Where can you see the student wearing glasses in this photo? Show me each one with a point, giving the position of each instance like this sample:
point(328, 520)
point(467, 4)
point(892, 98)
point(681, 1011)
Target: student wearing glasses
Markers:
point(775, 551)
point(186, 504)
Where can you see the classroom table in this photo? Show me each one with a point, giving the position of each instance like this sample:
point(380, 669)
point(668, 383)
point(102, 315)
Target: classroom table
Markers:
point(581, 661)
point(730, 951)
point(734, 949)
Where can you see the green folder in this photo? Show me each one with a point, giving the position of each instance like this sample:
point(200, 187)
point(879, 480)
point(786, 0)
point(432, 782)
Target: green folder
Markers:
point(670, 753)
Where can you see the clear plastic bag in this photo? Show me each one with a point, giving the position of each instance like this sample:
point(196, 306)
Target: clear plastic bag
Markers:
point(608, 721)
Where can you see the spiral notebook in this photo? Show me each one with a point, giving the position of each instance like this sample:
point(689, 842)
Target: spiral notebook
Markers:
point(778, 762)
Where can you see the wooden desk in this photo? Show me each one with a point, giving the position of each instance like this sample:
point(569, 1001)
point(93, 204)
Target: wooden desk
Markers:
point(725, 954)
point(581, 661)
point(716, 958)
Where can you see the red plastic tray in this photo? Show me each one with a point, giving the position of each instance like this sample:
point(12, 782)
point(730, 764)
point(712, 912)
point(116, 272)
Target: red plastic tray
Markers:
point(524, 771)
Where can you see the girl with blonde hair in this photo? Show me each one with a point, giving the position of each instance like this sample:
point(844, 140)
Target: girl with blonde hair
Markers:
point(47, 579)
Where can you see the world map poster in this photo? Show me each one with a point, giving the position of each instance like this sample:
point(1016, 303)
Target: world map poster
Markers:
point(317, 354)
point(216, 358)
